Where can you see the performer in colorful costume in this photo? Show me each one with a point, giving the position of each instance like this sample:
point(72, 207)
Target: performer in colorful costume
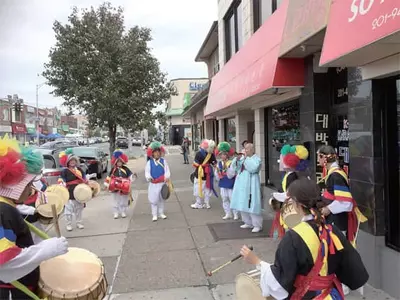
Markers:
point(120, 170)
point(293, 159)
point(338, 205)
point(157, 173)
point(34, 162)
point(203, 186)
point(71, 176)
point(225, 178)
point(19, 257)
point(246, 195)
point(313, 258)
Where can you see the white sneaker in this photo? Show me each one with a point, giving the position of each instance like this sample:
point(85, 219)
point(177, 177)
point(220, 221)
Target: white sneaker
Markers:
point(227, 217)
point(123, 215)
point(162, 216)
point(208, 206)
point(196, 206)
point(80, 226)
point(256, 229)
point(69, 228)
point(155, 218)
point(236, 216)
point(245, 226)
point(116, 215)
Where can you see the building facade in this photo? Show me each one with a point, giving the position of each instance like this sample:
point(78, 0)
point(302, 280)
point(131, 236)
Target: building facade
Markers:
point(179, 126)
point(319, 72)
point(201, 127)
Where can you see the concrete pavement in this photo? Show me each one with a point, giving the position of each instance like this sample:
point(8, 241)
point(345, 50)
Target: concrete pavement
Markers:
point(169, 259)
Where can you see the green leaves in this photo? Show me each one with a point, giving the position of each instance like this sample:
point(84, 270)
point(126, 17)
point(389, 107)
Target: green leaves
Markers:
point(106, 70)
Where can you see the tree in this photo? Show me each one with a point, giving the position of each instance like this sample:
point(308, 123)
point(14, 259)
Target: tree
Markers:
point(108, 72)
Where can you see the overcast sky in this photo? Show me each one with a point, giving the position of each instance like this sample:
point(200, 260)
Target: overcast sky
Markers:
point(26, 35)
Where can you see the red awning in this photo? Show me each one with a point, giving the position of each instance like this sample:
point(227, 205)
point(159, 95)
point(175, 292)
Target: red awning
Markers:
point(362, 32)
point(256, 67)
point(18, 128)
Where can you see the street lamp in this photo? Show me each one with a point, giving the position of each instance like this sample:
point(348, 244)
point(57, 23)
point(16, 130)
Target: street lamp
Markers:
point(38, 86)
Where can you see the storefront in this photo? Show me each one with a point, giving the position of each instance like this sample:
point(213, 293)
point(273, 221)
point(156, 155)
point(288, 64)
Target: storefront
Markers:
point(5, 129)
point(230, 131)
point(368, 113)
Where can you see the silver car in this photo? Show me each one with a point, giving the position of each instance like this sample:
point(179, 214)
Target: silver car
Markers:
point(52, 168)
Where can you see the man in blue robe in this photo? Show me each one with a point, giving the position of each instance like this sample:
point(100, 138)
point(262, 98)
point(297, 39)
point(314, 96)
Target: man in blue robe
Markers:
point(246, 196)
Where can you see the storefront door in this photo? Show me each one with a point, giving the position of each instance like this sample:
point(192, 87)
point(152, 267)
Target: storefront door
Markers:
point(391, 134)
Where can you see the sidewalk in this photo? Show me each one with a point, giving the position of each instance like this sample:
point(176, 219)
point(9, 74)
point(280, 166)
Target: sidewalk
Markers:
point(169, 259)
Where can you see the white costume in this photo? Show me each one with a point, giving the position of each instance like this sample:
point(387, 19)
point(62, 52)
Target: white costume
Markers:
point(157, 173)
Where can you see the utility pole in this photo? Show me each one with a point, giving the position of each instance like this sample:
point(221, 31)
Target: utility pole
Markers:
point(38, 86)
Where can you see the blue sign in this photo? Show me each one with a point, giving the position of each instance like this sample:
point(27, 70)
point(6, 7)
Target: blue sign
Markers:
point(194, 86)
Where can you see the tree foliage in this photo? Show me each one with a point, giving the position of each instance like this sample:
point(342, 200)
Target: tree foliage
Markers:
point(106, 70)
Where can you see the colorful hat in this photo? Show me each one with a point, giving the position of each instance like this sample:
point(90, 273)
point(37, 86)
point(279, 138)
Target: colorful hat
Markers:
point(119, 155)
point(66, 156)
point(18, 167)
point(153, 147)
point(208, 145)
point(224, 147)
point(294, 157)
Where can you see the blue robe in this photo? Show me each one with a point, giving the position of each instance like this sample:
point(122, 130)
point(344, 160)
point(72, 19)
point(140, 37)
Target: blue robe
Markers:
point(246, 195)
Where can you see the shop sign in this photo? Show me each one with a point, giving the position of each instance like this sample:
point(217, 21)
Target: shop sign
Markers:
point(321, 138)
point(304, 19)
point(31, 130)
point(5, 128)
point(195, 86)
point(18, 128)
point(355, 24)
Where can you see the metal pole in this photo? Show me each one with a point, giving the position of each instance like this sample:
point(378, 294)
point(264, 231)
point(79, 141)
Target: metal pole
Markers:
point(37, 114)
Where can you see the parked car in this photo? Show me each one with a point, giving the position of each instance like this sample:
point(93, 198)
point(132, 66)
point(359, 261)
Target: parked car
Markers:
point(57, 145)
point(136, 141)
point(94, 158)
point(52, 168)
point(122, 142)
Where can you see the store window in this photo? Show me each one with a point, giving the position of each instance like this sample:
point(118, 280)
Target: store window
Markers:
point(262, 9)
point(392, 172)
point(283, 128)
point(233, 29)
point(230, 131)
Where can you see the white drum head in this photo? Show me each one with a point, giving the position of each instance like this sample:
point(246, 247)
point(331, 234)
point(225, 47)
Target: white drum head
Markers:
point(247, 288)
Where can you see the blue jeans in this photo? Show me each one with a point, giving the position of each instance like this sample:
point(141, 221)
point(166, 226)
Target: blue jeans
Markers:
point(185, 157)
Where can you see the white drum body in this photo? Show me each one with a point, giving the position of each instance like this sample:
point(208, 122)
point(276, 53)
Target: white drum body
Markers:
point(248, 286)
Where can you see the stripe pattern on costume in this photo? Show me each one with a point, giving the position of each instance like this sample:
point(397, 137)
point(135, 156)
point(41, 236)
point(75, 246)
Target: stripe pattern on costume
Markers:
point(8, 248)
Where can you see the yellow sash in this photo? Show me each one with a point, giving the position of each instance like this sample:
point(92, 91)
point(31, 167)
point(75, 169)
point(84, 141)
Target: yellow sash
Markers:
point(200, 173)
point(360, 217)
point(311, 239)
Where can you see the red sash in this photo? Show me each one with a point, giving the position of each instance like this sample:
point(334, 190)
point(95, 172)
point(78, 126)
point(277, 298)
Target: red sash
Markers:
point(76, 181)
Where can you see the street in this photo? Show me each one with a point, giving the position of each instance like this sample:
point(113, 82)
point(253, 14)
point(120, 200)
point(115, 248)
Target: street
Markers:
point(135, 151)
point(169, 259)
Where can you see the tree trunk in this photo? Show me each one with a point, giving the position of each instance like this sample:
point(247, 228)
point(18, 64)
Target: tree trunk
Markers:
point(112, 133)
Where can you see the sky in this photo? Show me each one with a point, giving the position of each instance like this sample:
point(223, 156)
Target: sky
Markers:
point(179, 28)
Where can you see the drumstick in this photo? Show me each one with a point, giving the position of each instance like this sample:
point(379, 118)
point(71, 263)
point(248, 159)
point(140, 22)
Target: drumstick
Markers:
point(227, 263)
point(55, 220)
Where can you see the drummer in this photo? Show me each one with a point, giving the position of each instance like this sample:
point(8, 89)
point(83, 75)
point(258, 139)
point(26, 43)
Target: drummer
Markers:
point(19, 257)
point(27, 209)
point(313, 258)
point(157, 173)
point(293, 159)
point(71, 176)
point(119, 170)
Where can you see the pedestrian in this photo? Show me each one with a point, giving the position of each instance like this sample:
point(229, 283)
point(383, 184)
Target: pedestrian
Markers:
point(226, 179)
point(19, 256)
point(313, 259)
point(157, 173)
point(71, 176)
point(203, 184)
point(120, 172)
point(185, 150)
point(246, 195)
